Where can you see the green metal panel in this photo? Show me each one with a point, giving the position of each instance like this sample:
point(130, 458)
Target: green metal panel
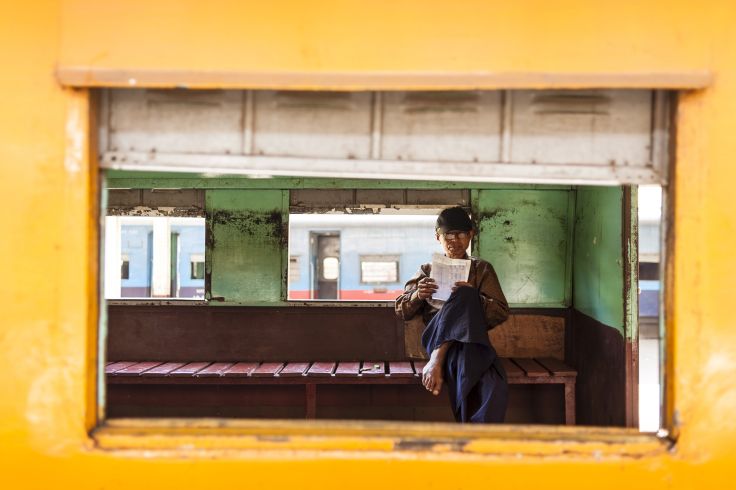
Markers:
point(173, 263)
point(532, 254)
point(245, 243)
point(525, 234)
point(598, 270)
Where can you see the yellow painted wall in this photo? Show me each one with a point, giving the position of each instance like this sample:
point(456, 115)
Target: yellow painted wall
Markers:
point(47, 247)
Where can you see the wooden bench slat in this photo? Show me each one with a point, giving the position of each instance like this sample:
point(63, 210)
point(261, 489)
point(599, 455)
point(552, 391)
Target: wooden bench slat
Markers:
point(117, 366)
point(267, 369)
point(190, 369)
point(519, 371)
point(512, 370)
point(557, 367)
point(294, 369)
point(538, 367)
point(400, 369)
point(137, 368)
point(531, 367)
point(240, 369)
point(345, 369)
point(214, 370)
point(321, 369)
point(164, 369)
point(373, 368)
point(418, 367)
point(516, 367)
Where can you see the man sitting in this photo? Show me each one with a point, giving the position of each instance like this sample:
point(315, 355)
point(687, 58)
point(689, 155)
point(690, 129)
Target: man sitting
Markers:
point(456, 333)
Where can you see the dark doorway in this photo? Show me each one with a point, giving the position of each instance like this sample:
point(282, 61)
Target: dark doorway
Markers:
point(326, 265)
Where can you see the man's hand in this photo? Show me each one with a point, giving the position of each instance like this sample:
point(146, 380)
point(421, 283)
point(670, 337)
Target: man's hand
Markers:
point(426, 288)
point(461, 284)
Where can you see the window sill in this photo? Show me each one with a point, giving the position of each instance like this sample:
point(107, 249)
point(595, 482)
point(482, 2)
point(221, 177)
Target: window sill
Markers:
point(210, 437)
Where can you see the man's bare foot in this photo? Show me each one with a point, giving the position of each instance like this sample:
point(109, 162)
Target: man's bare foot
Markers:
point(432, 376)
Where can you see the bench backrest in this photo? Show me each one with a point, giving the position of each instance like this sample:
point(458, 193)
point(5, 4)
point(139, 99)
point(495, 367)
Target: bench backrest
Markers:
point(341, 333)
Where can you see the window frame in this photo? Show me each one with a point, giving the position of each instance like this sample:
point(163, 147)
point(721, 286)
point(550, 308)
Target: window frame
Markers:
point(314, 201)
point(140, 211)
point(222, 437)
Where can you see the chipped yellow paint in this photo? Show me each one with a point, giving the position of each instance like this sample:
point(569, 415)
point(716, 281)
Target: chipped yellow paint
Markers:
point(217, 436)
point(48, 242)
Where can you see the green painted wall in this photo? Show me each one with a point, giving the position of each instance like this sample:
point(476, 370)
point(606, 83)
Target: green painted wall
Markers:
point(245, 259)
point(552, 246)
point(598, 259)
point(526, 235)
point(525, 231)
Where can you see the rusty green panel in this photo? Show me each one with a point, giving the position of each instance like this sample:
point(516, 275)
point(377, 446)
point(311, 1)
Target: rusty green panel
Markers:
point(525, 234)
point(598, 274)
point(631, 278)
point(245, 242)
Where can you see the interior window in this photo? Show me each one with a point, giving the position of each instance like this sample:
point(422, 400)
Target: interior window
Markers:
point(197, 266)
point(125, 267)
point(358, 257)
point(156, 257)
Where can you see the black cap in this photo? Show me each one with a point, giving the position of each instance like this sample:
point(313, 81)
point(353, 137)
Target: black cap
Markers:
point(452, 219)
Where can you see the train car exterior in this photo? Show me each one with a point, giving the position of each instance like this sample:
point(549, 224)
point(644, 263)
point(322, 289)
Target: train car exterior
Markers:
point(57, 52)
point(184, 258)
point(375, 258)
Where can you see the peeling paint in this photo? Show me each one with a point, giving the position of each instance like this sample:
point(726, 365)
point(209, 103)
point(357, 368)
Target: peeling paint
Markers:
point(145, 211)
point(524, 233)
point(45, 413)
point(244, 242)
point(251, 223)
point(209, 244)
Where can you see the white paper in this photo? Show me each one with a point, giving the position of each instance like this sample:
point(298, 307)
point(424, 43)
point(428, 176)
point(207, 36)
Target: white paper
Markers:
point(446, 272)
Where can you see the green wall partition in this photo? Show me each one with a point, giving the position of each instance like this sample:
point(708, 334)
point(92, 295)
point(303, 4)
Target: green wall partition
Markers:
point(598, 260)
point(526, 235)
point(246, 245)
point(525, 232)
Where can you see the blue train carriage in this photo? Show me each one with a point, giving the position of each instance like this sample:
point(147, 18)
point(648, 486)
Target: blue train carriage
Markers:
point(158, 256)
point(362, 257)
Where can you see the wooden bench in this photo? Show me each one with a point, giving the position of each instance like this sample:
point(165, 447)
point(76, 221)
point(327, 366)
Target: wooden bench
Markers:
point(519, 371)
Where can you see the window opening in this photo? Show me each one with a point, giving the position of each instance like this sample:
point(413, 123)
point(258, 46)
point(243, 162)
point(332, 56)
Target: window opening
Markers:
point(125, 266)
point(330, 268)
point(159, 257)
point(555, 240)
point(197, 266)
point(368, 256)
point(294, 269)
point(650, 286)
point(379, 269)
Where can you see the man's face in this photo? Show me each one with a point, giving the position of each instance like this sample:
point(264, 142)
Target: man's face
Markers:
point(455, 242)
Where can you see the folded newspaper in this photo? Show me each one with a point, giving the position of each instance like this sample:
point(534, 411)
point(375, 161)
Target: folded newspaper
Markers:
point(446, 272)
